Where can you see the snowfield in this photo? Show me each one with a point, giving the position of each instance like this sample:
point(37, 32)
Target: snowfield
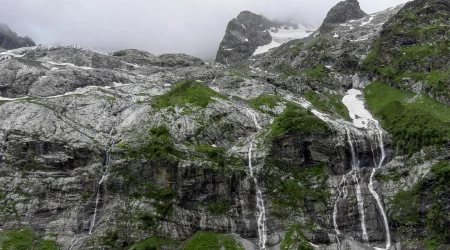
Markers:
point(284, 35)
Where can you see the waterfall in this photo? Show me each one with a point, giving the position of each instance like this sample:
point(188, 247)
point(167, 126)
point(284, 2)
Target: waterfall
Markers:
point(261, 214)
point(359, 198)
point(379, 139)
point(99, 186)
point(363, 119)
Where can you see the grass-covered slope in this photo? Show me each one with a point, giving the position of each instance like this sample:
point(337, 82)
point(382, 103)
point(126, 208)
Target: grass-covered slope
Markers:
point(25, 239)
point(415, 121)
point(185, 93)
point(212, 241)
point(414, 46)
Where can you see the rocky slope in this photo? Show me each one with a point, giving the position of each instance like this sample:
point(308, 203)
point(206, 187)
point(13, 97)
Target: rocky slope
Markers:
point(296, 148)
point(248, 32)
point(10, 40)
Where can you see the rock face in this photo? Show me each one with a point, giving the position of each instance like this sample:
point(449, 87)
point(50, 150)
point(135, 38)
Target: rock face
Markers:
point(341, 13)
point(130, 150)
point(399, 55)
point(246, 33)
point(10, 40)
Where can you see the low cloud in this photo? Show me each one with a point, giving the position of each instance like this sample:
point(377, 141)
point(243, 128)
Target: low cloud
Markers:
point(194, 27)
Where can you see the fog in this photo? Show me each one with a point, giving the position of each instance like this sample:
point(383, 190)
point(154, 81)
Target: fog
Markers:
point(194, 27)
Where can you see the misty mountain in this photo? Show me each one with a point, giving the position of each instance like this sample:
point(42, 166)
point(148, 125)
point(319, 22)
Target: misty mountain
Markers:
point(10, 40)
point(333, 139)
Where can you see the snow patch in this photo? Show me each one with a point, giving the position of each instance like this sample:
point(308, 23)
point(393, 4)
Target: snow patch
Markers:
point(360, 115)
point(283, 35)
point(365, 23)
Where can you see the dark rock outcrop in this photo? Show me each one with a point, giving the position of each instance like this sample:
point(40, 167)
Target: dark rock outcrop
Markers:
point(344, 11)
point(10, 40)
point(245, 34)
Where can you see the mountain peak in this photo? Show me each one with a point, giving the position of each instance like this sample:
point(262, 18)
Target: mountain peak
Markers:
point(10, 40)
point(342, 12)
point(249, 34)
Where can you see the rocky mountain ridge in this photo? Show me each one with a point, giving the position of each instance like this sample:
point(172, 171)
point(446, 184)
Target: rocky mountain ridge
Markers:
point(10, 40)
point(302, 147)
point(248, 32)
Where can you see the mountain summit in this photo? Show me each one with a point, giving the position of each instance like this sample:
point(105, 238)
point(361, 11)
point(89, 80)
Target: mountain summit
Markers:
point(250, 33)
point(342, 12)
point(10, 40)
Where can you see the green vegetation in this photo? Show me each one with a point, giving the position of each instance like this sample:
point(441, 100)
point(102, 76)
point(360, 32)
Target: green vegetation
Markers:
point(328, 103)
point(154, 243)
point(216, 155)
point(296, 119)
point(212, 241)
point(288, 70)
point(164, 197)
point(189, 92)
point(298, 47)
point(411, 217)
point(414, 48)
point(156, 145)
point(317, 72)
point(269, 101)
point(295, 240)
point(307, 185)
point(219, 208)
point(414, 121)
point(25, 239)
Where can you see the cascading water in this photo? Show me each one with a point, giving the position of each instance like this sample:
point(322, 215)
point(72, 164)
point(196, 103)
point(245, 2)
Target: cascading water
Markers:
point(379, 139)
point(104, 175)
point(261, 214)
point(359, 198)
point(362, 118)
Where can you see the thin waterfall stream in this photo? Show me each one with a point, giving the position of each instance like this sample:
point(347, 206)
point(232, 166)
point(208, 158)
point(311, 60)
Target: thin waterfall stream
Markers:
point(379, 138)
point(261, 214)
point(99, 186)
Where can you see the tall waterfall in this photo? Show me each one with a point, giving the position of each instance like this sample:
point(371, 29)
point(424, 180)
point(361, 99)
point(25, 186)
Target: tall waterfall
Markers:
point(359, 198)
point(99, 186)
point(363, 119)
point(379, 139)
point(261, 214)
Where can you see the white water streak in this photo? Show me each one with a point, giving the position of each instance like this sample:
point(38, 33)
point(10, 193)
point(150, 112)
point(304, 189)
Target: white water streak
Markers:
point(261, 215)
point(359, 197)
point(104, 175)
point(379, 138)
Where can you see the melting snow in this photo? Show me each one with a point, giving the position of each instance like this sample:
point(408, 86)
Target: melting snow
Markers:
point(69, 64)
point(265, 48)
point(283, 35)
point(360, 115)
point(365, 23)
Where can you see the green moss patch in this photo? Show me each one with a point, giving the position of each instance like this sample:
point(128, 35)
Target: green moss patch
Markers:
point(296, 119)
point(212, 241)
point(317, 72)
point(188, 92)
point(155, 243)
point(24, 239)
point(294, 240)
point(414, 121)
point(157, 144)
point(328, 103)
point(268, 101)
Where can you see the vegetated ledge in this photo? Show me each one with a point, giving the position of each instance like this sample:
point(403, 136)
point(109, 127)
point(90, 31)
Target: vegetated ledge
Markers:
point(415, 120)
point(190, 92)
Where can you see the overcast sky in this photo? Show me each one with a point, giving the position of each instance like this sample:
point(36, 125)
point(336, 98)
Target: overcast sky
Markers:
point(194, 27)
